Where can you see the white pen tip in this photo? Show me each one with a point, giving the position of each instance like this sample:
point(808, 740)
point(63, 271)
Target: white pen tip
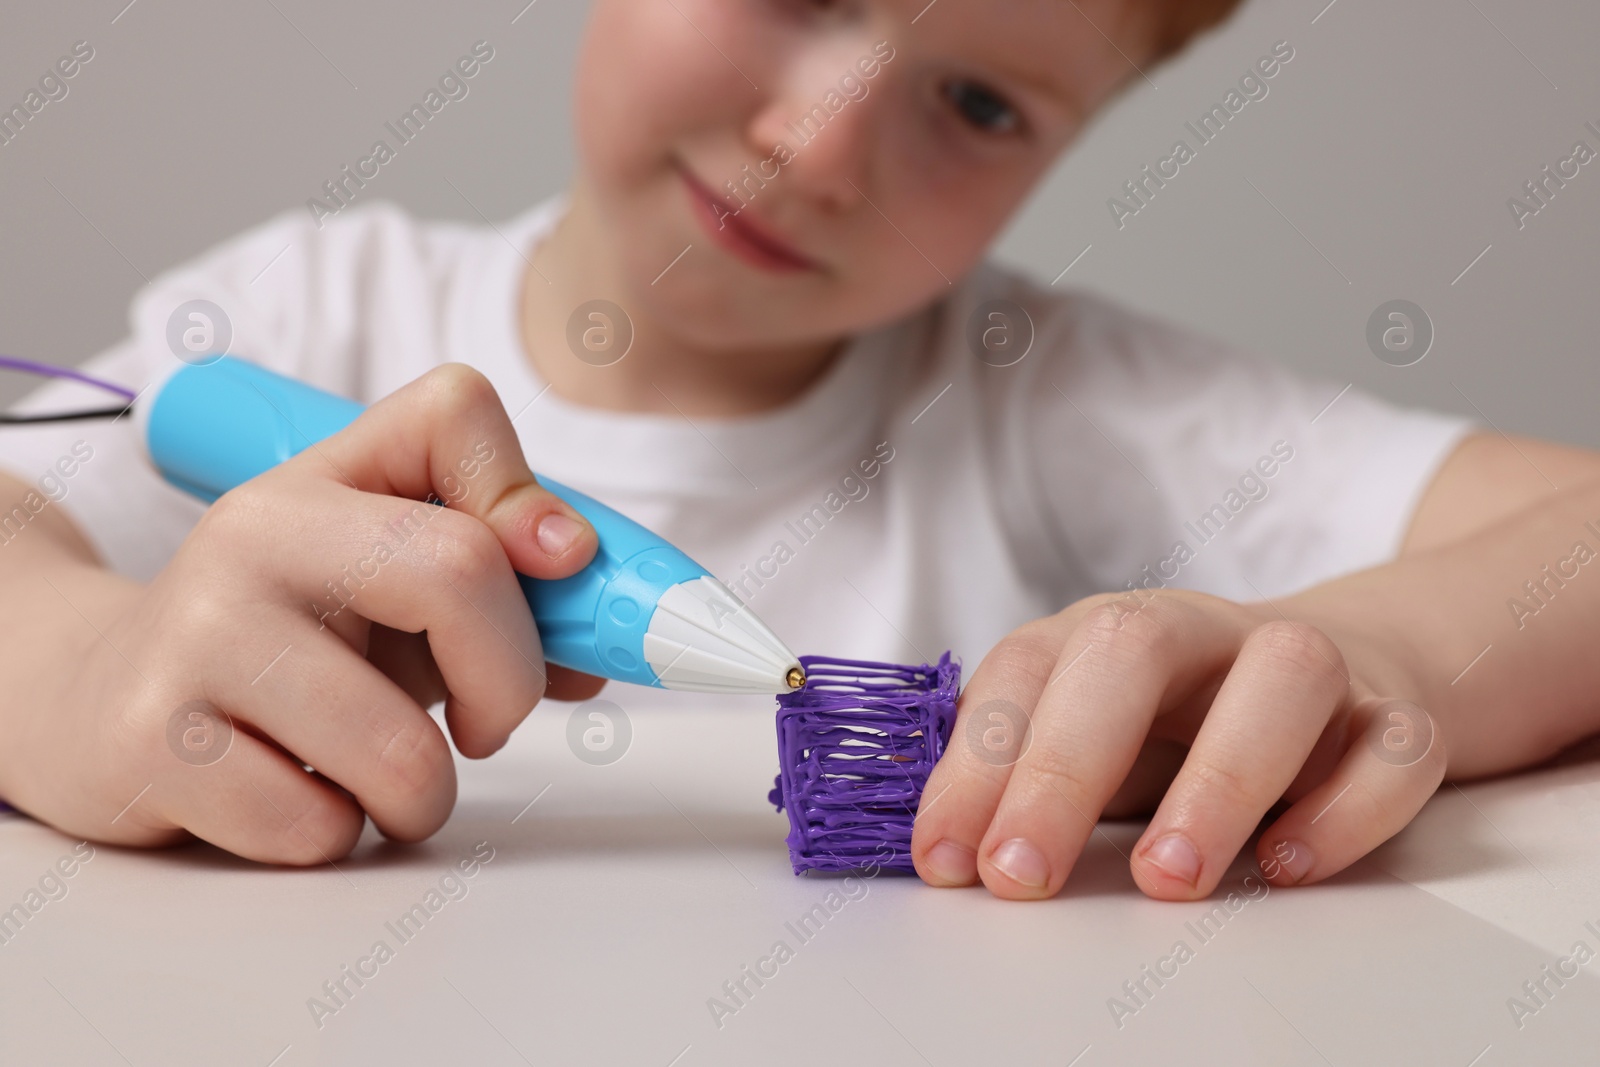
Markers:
point(704, 640)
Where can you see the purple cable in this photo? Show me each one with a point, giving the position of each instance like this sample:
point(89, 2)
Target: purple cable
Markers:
point(855, 747)
point(14, 363)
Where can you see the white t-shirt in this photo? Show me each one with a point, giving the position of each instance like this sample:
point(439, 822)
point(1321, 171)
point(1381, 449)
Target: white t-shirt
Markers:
point(998, 494)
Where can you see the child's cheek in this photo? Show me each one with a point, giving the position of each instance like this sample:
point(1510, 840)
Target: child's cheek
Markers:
point(644, 85)
point(896, 277)
point(930, 176)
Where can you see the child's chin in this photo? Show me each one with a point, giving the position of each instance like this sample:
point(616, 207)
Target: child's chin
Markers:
point(724, 316)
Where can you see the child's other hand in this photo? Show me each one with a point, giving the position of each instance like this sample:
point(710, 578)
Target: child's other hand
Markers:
point(1223, 708)
point(245, 620)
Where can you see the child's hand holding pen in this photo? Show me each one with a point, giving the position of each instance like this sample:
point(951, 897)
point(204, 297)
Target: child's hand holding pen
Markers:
point(312, 615)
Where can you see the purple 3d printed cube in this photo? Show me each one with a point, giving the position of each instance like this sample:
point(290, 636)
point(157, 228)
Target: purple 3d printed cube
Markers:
point(855, 747)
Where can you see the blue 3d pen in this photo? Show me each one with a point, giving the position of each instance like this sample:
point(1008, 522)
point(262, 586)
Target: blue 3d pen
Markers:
point(642, 611)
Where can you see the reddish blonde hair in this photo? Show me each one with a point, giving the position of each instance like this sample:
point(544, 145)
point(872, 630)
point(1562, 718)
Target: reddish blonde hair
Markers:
point(1174, 23)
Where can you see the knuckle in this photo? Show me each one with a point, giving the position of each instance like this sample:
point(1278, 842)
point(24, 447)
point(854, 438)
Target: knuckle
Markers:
point(1304, 649)
point(456, 390)
point(465, 550)
point(1221, 783)
point(310, 833)
point(1131, 635)
point(1103, 617)
point(1409, 784)
point(1025, 654)
point(1100, 602)
point(234, 515)
point(411, 760)
point(207, 610)
point(139, 726)
point(1058, 777)
point(232, 537)
point(1435, 762)
point(1373, 806)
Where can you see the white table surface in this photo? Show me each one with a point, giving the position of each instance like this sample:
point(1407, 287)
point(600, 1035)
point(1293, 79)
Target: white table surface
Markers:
point(617, 906)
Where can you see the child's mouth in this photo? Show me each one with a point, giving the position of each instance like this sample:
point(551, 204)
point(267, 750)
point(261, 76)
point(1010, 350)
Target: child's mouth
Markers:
point(740, 235)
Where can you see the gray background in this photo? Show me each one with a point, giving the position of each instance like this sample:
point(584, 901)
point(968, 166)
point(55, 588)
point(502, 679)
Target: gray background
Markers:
point(1381, 162)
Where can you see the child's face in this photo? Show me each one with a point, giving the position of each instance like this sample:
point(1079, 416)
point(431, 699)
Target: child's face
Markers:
point(919, 140)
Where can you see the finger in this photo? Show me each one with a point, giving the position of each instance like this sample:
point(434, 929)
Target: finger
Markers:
point(1089, 727)
point(259, 804)
point(568, 684)
point(1385, 778)
point(448, 434)
point(990, 731)
point(1276, 702)
point(407, 659)
point(414, 567)
point(1162, 755)
point(337, 712)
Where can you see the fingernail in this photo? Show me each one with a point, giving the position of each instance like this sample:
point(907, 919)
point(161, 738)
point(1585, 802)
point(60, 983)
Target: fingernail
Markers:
point(1176, 856)
point(1022, 863)
point(1294, 861)
point(557, 533)
point(949, 862)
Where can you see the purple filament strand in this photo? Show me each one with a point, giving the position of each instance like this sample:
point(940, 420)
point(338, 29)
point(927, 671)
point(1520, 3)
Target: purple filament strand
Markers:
point(48, 371)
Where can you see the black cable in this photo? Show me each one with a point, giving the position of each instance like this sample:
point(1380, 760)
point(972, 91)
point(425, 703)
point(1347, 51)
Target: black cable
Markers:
point(67, 416)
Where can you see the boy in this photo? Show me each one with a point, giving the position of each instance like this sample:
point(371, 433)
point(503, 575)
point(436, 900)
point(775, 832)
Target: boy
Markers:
point(749, 323)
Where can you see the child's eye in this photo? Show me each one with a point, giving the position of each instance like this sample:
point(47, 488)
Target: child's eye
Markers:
point(810, 7)
point(982, 108)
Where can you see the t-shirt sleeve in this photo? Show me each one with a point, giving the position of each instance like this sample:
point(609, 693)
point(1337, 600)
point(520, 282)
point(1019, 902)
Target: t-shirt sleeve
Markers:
point(1161, 457)
point(284, 294)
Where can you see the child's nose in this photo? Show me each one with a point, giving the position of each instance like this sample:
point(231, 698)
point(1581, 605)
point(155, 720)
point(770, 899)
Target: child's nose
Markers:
point(828, 136)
